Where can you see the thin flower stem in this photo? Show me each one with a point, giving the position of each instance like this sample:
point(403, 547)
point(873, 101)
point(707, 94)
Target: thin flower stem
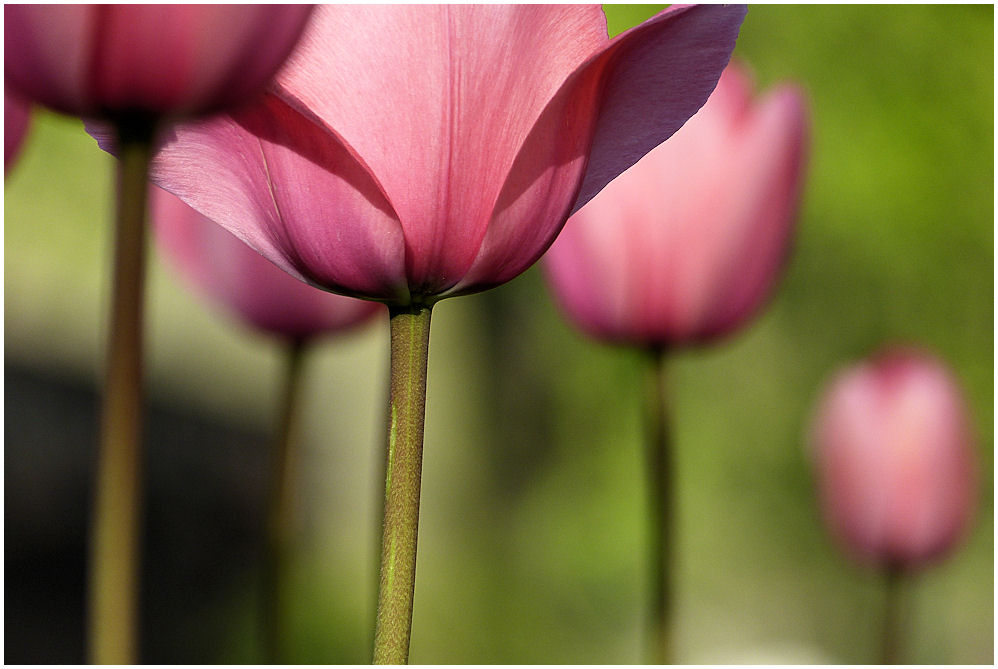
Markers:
point(410, 336)
point(281, 513)
point(660, 465)
point(114, 559)
point(890, 650)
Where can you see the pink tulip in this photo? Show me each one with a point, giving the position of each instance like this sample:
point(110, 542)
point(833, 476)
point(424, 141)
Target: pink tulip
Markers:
point(102, 60)
point(241, 280)
point(16, 114)
point(410, 153)
point(686, 245)
point(894, 456)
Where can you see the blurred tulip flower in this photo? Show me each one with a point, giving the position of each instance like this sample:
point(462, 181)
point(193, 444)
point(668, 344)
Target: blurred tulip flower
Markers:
point(135, 68)
point(681, 248)
point(467, 137)
point(104, 61)
point(894, 458)
point(686, 245)
point(893, 451)
point(16, 115)
point(243, 282)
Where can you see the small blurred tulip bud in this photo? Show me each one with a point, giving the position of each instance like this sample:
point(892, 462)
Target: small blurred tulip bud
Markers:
point(894, 456)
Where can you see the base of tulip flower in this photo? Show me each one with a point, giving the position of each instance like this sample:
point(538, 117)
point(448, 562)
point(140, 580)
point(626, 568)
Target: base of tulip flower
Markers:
point(410, 338)
point(660, 466)
point(114, 558)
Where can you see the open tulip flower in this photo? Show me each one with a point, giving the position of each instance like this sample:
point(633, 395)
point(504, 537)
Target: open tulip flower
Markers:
point(685, 246)
point(408, 153)
point(894, 456)
point(136, 68)
point(411, 153)
point(241, 281)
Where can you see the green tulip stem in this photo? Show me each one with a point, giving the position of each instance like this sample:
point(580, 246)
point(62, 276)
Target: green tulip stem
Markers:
point(410, 339)
point(281, 512)
point(890, 650)
point(660, 466)
point(114, 558)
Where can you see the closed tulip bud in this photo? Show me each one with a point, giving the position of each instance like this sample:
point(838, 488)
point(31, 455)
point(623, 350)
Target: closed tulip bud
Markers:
point(687, 244)
point(107, 60)
point(894, 457)
point(243, 282)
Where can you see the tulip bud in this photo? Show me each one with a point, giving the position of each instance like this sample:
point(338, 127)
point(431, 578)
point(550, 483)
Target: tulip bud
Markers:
point(894, 457)
point(687, 244)
point(106, 60)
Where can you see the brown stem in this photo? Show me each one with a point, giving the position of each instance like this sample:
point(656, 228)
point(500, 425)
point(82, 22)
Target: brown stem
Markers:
point(114, 559)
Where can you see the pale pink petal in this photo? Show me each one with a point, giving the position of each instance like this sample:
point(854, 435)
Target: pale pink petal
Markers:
point(769, 177)
point(625, 100)
point(291, 190)
point(438, 100)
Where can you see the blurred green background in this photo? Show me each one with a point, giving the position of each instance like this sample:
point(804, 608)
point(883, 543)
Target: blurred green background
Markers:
point(532, 530)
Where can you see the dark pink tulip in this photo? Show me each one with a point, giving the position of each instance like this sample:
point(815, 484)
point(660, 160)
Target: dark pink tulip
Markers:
point(413, 152)
point(894, 457)
point(103, 60)
point(16, 114)
point(687, 244)
point(245, 283)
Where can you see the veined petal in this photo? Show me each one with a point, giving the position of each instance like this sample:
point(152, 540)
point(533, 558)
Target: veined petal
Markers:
point(622, 102)
point(294, 192)
point(438, 101)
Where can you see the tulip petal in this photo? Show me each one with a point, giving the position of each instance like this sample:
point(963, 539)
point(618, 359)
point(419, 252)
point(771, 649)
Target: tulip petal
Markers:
point(56, 41)
point(769, 178)
point(244, 282)
point(236, 44)
point(625, 100)
point(438, 100)
point(102, 60)
point(659, 74)
point(292, 190)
